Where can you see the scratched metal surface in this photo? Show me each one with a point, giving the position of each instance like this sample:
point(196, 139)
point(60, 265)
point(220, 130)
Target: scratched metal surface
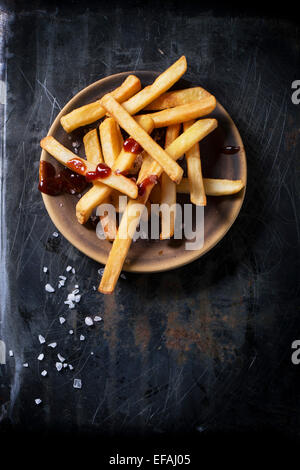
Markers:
point(202, 348)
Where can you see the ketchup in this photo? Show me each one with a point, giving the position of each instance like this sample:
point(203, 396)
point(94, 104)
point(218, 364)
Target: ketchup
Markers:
point(65, 181)
point(152, 179)
point(131, 145)
point(230, 150)
point(102, 171)
point(77, 165)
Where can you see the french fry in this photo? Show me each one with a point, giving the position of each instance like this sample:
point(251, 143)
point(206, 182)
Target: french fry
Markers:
point(92, 112)
point(130, 219)
point(65, 156)
point(111, 140)
point(184, 113)
point(98, 193)
point(94, 155)
point(92, 147)
point(168, 190)
point(194, 170)
point(173, 170)
point(177, 98)
point(213, 187)
point(161, 84)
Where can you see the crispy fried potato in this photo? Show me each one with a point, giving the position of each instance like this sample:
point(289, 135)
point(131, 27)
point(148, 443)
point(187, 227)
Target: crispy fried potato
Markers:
point(177, 98)
point(161, 84)
point(194, 170)
point(184, 113)
point(92, 112)
point(111, 140)
point(213, 187)
point(92, 147)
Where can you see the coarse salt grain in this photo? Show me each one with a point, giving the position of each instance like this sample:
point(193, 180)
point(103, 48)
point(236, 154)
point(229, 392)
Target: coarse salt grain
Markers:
point(62, 320)
point(49, 288)
point(45, 269)
point(52, 345)
point(62, 359)
point(101, 271)
point(41, 357)
point(68, 268)
point(71, 332)
point(58, 366)
point(11, 353)
point(44, 373)
point(38, 401)
point(97, 318)
point(123, 276)
point(41, 339)
point(62, 277)
point(82, 338)
point(25, 364)
point(55, 234)
point(71, 367)
point(88, 321)
point(73, 270)
point(77, 383)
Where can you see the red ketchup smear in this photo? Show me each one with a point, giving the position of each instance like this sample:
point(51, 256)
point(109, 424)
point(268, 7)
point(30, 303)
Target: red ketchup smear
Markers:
point(131, 145)
point(102, 171)
point(230, 150)
point(152, 179)
point(77, 165)
point(127, 174)
point(55, 184)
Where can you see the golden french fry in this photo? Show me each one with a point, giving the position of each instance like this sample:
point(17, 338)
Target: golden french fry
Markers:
point(111, 140)
point(168, 191)
point(130, 218)
point(177, 98)
point(213, 187)
point(81, 166)
point(184, 113)
point(97, 194)
point(109, 226)
point(161, 84)
point(184, 142)
point(92, 147)
point(92, 112)
point(173, 170)
point(195, 172)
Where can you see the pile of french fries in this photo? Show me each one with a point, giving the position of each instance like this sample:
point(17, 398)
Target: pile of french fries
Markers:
point(178, 112)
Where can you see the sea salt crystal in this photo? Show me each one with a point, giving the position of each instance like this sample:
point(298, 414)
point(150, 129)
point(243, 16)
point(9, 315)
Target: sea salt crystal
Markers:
point(101, 271)
point(62, 320)
point(11, 353)
point(41, 357)
point(77, 298)
point(88, 321)
point(62, 359)
point(61, 283)
point(41, 339)
point(76, 286)
point(70, 303)
point(58, 366)
point(77, 383)
point(44, 373)
point(71, 367)
point(73, 270)
point(123, 276)
point(45, 269)
point(38, 401)
point(52, 345)
point(62, 277)
point(68, 268)
point(25, 364)
point(82, 338)
point(65, 365)
point(55, 234)
point(71, 332)
point(49, 288)
point(97, 318)
point(94, 287)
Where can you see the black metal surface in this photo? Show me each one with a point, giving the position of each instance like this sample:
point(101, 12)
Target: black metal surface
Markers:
point(205, 348)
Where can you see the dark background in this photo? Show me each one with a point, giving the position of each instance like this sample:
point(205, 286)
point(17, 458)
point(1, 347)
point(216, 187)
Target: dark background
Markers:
point(194, 359)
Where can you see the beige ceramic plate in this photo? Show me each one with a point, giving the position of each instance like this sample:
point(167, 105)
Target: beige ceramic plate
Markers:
point(149, 256)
